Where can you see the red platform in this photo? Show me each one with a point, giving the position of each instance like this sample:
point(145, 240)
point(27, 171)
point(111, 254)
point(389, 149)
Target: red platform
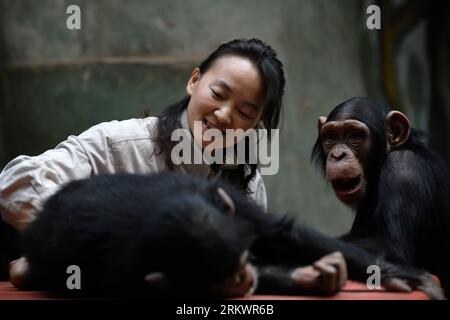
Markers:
point(351, 291)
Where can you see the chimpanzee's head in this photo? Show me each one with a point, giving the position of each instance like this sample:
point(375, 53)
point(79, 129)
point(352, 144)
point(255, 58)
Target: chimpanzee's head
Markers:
point(203, 244)
point(352, 145)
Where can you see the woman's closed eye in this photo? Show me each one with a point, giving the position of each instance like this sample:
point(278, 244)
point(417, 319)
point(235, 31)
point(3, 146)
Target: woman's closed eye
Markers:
point(216, 94)
point(245, 115)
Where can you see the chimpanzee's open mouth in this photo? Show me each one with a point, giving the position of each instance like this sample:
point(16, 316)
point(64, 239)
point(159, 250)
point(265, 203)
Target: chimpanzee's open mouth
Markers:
point(346, 185)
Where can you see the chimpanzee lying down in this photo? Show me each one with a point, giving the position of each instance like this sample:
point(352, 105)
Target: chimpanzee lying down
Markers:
point(176, 235)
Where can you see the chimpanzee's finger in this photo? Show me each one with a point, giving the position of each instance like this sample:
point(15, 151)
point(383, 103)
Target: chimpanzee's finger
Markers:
point(328, 276)
point(396, 284)
point(338, 261)
point(18, 272)
point(306, 277)
point(342, 269)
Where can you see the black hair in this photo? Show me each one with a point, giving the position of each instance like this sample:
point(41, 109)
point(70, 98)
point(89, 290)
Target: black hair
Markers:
point(271, 69)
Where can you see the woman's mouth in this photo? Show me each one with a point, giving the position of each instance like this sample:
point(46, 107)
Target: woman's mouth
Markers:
point(208, 125)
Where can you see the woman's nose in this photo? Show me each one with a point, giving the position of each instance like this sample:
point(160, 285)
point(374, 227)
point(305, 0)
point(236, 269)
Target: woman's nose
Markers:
point(223, 115)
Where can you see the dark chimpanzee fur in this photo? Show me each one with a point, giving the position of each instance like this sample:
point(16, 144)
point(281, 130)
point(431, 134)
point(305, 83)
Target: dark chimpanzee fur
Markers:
point(405, 213)
point(119, 228)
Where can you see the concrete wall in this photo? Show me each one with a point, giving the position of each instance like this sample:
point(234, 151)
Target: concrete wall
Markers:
point(131, 55)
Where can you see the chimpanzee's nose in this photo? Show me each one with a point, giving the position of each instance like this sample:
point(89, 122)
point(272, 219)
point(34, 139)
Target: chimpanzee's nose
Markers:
point(338, 155)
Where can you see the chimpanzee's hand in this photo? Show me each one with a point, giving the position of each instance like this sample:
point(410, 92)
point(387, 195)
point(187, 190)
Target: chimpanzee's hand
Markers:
point(327, 275)
point(407, 279)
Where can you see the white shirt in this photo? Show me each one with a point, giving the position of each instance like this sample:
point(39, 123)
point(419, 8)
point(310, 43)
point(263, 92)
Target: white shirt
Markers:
point(110, 147)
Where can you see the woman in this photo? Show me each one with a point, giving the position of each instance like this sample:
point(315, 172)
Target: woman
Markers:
point(239, 86)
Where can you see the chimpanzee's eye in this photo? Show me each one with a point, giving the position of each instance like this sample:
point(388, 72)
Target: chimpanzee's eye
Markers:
point(356, 136)
point(328, 138)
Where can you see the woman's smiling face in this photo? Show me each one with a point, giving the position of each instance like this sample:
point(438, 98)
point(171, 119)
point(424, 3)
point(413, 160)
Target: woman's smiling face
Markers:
point(230, 95)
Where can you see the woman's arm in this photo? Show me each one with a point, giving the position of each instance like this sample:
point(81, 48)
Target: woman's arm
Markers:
point(26, 182)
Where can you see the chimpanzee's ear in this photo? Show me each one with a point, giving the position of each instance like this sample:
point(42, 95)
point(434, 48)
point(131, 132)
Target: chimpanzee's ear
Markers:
point(398, 127)
point(157, 280)
point(227, 201)
point(320, 122)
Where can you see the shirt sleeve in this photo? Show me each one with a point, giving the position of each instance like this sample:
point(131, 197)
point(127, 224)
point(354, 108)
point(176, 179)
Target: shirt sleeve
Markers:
point(258, 191)
point(26, 182)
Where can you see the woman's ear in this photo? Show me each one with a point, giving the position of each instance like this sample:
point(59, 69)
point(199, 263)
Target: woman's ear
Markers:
point(398, 128)
point(193, 81)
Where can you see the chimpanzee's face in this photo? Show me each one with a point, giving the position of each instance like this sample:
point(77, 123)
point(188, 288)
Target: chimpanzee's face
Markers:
point(346, 145)
point(229, 95)
point(242, 283)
